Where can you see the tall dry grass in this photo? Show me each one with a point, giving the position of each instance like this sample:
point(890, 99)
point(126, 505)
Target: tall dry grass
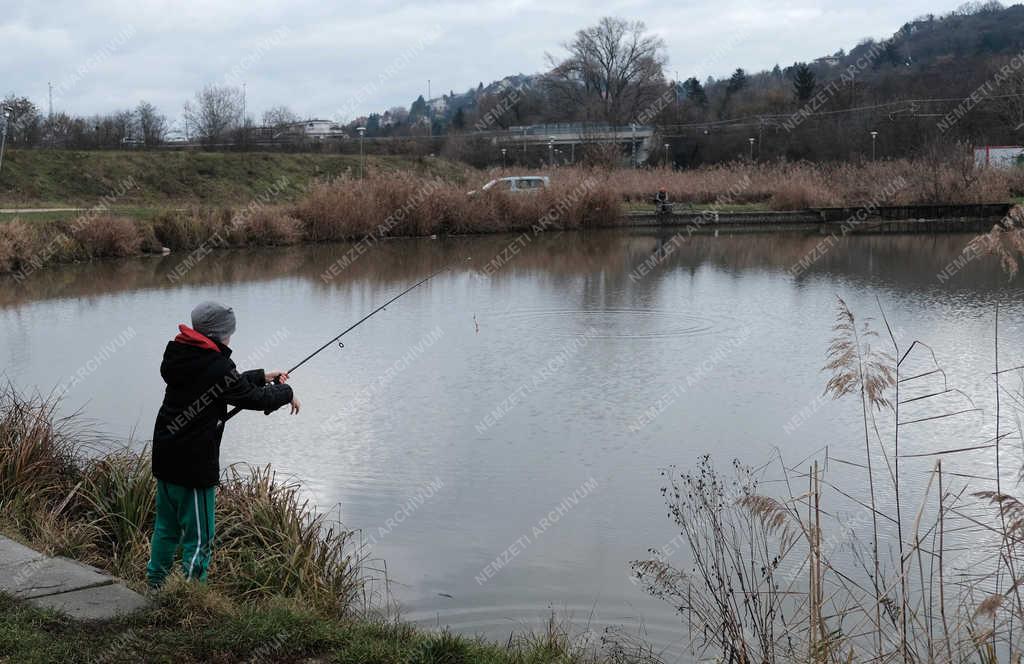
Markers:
point(105, 236)
point(1005, 242)
point(68, 499)
point(820, 570)
point(798, 185)
point(17, 243)
point(408, 204)
point(25, 246)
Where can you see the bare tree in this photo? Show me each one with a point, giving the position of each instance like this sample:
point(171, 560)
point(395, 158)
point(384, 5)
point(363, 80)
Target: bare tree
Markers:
point(1009, 101)
point(152, 125)
point(614, 71)
point(25, 126)
point(278, 117)
point(214, 112)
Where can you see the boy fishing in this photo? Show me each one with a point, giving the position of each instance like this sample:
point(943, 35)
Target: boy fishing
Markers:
point(202, 382)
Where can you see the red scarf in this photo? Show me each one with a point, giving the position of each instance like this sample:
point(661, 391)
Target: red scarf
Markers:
point(190, 337)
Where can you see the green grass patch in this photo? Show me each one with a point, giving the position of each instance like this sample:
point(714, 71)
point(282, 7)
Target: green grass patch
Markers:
point(138, 213)
point(191, 623)
point(68, 178)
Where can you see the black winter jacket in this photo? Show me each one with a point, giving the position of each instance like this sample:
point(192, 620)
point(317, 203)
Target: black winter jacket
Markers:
point(202, 382)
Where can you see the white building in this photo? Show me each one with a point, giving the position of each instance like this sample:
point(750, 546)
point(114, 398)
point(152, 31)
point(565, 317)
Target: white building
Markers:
point(999, 156)
point(316, 129)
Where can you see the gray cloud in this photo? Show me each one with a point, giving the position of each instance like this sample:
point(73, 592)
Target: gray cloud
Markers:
point(317, 57)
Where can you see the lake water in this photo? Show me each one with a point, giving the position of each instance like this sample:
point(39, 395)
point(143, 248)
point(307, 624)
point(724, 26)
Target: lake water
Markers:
point(498, 433)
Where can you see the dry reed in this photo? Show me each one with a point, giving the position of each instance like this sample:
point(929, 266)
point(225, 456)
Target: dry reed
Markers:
point(409, 204)
point(98, 507)
point(767, 581)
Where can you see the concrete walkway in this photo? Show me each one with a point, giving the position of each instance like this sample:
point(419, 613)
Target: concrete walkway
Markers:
point(78, 590)
point(33, 210)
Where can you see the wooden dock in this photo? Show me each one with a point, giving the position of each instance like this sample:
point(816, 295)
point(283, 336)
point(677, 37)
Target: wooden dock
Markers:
point(838, 220)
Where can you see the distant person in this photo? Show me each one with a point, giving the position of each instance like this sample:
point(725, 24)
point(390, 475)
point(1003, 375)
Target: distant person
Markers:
point(661, 202)
point(202, 382)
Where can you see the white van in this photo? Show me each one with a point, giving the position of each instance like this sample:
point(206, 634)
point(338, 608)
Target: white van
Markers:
point(518, 183)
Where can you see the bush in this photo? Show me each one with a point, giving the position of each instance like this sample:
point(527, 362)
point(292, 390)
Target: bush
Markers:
point(187, 229)
point(17, 244)
point(106, 236)
point(265, 227)
point(37, 451)
point(272, 542)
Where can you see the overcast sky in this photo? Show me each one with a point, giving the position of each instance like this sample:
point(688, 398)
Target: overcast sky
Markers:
point(340, 60)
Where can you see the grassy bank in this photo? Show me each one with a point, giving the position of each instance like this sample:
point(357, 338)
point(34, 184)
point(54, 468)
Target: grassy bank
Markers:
point(430, 197)
point(378, 206)
point(173, 178)
point(191, 624)
point(286, 584)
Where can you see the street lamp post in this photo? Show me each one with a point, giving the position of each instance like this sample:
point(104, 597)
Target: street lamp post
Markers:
point(751, 139)
point(551, 150)
point(361, 130)
point(3, 137)
point(503, 151)
point(632, 129)
point(874, 135)
point(666, 155)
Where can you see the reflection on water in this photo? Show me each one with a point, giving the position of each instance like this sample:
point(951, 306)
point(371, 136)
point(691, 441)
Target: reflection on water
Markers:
point(509, 392)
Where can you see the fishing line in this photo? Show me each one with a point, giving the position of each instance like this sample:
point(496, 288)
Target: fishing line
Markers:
point(237, 409)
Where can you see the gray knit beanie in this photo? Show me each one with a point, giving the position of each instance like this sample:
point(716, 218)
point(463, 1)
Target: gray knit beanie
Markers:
point(213, 320)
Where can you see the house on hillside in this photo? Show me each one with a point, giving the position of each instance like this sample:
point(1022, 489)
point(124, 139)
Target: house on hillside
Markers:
point(312, 129)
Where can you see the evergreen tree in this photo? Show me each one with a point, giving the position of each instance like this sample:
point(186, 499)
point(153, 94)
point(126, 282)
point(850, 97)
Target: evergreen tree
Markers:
point(804, 81)
point(418, 108)
point(459, 119)
point(694, 91)
point(373, 124)
point(737, 81)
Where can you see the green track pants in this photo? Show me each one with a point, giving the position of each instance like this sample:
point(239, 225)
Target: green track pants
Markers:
point(184, 516)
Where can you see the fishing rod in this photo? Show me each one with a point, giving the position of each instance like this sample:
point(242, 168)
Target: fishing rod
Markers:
point(237, 409)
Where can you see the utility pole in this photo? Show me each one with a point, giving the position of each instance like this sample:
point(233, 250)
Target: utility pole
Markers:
point(632, 129)
point(245, 133)
point(49, 86)
point(430, 120)
point(361, 130)
point(6, 112)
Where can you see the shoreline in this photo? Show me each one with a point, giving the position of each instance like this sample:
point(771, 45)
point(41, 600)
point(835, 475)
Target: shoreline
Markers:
point(908, 219)
point(72, 549)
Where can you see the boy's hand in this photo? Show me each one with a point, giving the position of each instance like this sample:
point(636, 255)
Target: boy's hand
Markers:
point(279, 376)
point(295, 406)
